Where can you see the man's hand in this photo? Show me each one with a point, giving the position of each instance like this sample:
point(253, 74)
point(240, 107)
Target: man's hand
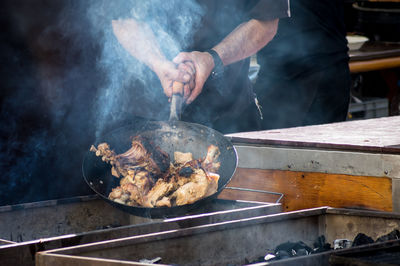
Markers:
point(139, 40)
point(189, 68)
point(203, 64)
point(167, 72)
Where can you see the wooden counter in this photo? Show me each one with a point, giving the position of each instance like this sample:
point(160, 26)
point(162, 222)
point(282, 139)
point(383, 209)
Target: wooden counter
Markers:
point(374, 56)
point(381, 135)
point(353, 164)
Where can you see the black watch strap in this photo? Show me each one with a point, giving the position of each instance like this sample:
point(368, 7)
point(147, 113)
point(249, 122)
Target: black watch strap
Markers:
point(218, 69)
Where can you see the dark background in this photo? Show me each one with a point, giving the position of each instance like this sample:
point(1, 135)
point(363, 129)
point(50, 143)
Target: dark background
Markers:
point(50, 97)
point(45, 122)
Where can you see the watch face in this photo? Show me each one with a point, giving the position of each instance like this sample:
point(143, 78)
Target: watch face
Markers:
point(217, 74)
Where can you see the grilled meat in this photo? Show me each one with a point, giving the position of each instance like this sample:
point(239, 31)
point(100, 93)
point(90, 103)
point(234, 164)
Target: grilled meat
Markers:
point(142, 154)
point(160, 189)
point(151, 180)
point(200, 185)
point(210, 163)
point(182, 157)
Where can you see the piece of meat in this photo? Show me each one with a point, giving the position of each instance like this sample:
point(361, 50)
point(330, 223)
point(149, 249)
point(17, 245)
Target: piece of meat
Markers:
point(200, 186)
point(115, 193)
point(103, 150)
point(151, 180)
point(164, 202)
point(145, 154)
point(139, 178)
point(210, 163)
point(135, 194)
point(158, 191)
point(182, 157)
point(142, 154)
point(118, 195)
point(107, 155)
point(143, 181)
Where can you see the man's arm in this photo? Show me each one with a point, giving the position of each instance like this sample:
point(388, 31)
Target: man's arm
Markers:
point(247, 39)
point(139, 40)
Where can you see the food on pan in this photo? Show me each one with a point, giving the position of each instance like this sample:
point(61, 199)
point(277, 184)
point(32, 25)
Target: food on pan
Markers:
point(151, 179)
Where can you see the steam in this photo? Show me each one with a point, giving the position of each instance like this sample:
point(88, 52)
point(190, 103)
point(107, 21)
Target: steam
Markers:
point(67, 81)
point(171, 21)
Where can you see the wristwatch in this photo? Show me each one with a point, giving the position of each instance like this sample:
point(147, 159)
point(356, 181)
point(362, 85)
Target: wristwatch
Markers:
point(218, 69)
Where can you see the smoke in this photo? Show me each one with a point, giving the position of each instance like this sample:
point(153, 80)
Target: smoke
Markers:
point(66, 81)
point(172, 23)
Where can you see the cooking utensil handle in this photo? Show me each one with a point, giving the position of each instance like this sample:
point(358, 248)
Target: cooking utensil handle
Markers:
point(258, 191)
point(176, 101)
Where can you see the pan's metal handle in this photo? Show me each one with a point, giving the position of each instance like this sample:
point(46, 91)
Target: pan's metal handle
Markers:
point(176, 101)
point(258, 191)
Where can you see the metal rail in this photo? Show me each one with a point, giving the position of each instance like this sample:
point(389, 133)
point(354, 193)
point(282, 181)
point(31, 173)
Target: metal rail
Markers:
point(258, 191)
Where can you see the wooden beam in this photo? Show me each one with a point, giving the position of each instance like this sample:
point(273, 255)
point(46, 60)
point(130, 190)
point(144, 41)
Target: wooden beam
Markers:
point(375, 64)
point(303, 190)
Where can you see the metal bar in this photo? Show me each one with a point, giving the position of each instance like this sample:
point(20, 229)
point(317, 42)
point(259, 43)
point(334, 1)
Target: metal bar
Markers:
point(6, 242)
point(258, 191)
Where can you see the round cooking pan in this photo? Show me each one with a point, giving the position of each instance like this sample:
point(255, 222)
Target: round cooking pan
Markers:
point(169, 136)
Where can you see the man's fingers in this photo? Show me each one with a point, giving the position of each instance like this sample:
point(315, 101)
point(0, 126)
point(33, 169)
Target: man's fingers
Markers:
point(181, 57)
point(186, 92)
point(192, 84)
point(186, 68)
point(192, 96)
point(195, 92)
point(179, 75)
point(168, 89)
point(191, 65)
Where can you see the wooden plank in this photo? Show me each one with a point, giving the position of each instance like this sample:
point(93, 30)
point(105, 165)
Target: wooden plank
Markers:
point(303, 190)
point(372, 135)
point(375, 64)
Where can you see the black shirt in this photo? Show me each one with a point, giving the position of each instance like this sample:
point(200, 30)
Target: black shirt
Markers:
point(313, 38)
point(211, 22)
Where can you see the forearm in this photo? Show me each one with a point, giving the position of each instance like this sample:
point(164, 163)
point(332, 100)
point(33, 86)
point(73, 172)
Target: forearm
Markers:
point(247, 39)
point(138, 39)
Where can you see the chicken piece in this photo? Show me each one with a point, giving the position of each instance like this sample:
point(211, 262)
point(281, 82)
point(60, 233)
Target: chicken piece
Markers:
point(180, 180)
point(213, 184)
point(164, 202)
point(135, 195)
point(115, 193)
point(158, 191)
point(103, 151)
point(139, 178)
point(200, 186)
point(118, 195)
point(143, 181)
point(145, 154)
point(142, 154)
point(210, 163)
point(184, 182)
point(182, 157)
point(129, 178)
point(107, 155)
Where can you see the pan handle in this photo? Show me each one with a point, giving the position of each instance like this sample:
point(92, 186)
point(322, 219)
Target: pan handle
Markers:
point(176, 101)
point(258, 191)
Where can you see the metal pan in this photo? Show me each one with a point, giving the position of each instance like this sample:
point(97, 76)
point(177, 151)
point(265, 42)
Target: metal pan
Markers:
point(169, 136)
